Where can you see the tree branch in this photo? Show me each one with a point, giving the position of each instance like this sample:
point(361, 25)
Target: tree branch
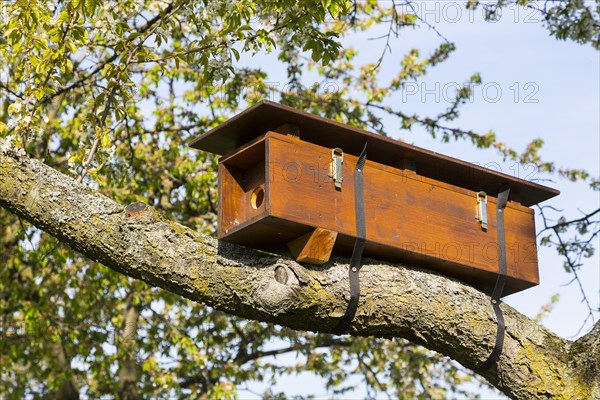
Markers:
point(157, 18)
point(88, 161)
point(67, 390)
point(128, 367)
point(585, 218)
point(439, 313)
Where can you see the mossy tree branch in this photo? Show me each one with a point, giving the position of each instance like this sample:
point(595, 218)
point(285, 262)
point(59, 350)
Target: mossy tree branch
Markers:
point(396, 301)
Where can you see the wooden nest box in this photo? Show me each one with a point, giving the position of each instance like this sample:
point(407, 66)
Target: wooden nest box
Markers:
point(286, 179)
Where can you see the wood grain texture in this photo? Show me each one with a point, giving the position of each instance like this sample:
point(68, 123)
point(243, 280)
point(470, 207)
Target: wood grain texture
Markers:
point(240, 175)
point(409, 217)
point(314, 247)
point(269, 116)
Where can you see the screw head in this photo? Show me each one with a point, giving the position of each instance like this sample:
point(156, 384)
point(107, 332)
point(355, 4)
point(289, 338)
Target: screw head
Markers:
point(354, 269)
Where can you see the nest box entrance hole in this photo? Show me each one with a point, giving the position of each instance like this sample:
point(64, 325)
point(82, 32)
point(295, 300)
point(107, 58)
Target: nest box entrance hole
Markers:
point(242, 182)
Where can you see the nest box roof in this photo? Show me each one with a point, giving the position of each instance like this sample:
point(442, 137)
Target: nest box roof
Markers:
point(266, 116)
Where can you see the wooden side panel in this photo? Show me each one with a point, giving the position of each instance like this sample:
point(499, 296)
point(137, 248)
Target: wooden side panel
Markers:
point(419, 217)
point(243, 197)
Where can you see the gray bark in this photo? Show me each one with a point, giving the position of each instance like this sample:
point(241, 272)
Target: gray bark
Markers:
point(128, 367)
point(67, 390)
point(437, 312)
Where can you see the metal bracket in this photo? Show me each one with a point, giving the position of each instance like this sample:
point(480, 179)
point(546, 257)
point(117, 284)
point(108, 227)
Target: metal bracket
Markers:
point(481, 214)
point(335, 168)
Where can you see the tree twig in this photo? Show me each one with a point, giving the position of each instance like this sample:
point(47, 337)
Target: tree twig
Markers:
point(96, 143)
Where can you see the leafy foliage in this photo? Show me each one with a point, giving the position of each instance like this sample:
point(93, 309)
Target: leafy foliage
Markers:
point(576, 20)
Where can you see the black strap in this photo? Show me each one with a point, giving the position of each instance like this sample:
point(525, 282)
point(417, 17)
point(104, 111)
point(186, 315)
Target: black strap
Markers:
point(359, 244)
point(499, 288)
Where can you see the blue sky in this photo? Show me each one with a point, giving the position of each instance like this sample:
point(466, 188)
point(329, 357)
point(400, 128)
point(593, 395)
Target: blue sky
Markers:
point(533, 86)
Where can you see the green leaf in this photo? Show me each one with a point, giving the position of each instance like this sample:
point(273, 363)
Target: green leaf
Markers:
point(104, 140)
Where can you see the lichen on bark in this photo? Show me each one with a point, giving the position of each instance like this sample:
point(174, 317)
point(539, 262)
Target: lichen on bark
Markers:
point(437, 312)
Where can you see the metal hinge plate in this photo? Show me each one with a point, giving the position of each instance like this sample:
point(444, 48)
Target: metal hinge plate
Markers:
point(481, 213)
point(335, 168)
